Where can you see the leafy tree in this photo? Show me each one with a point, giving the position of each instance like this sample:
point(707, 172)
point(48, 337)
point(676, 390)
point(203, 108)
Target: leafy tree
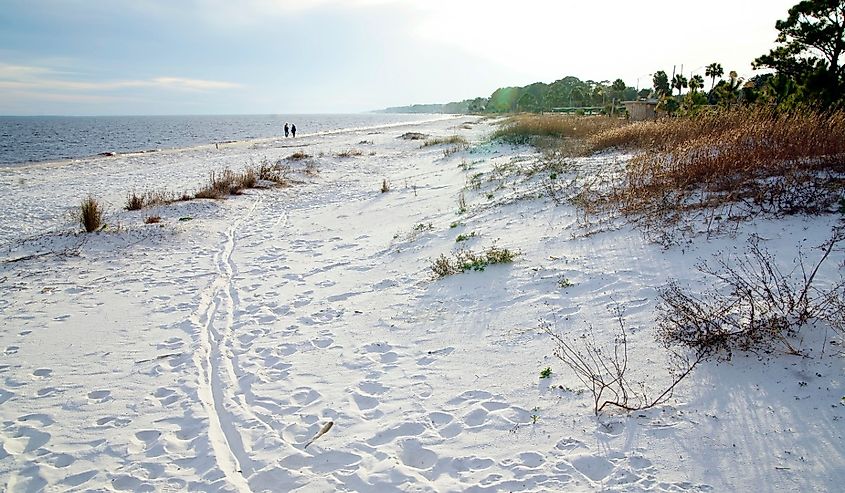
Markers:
point(679, 82)
point(696, 82)
point(714, 70)
point(661, 83)
point(644, 93)
point(811, 43)
point(527, 102)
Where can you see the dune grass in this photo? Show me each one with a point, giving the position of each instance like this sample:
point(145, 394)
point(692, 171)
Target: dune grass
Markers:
point(90, 214)
point(531, 129)
point(781, 162)
point(451, 140)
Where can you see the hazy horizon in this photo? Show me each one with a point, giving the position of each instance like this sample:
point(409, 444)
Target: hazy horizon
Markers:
point(266, 57)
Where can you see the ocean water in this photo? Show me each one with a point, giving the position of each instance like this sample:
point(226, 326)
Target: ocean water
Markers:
point(52, 138)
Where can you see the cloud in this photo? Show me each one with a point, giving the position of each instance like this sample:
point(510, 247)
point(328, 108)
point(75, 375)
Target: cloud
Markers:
point(32, 78)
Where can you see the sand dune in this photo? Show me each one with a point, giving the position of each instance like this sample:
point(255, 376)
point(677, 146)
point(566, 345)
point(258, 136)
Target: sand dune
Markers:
point(204, 354)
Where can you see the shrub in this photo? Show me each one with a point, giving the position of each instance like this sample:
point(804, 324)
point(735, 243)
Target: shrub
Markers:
point(298, 156)
point(779, 163)
point(385, 186)
point(90, 214)
point(134, 202)
point(464, 260)
point(152, 219)
point(525, 129)
point(763, 309)
point(413, 136)
point(350, 153)
point(452, 139)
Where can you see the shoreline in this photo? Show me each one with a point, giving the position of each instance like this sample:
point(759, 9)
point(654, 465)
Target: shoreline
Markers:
point(105, 154)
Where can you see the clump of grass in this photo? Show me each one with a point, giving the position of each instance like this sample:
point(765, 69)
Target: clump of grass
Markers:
point(298, 156)
point(530, 129)
point(452, 139)
point(776, 162)
point(464, 237)
point(455, 224)
point(90, 214)
point(227, 182)
point(152, 219)
point(274, 172)
point(466, 260)
point(350, 153)
point(546, 372)
point(563, 282)
point(413, 136)
point(462, 203)
point(134, 202)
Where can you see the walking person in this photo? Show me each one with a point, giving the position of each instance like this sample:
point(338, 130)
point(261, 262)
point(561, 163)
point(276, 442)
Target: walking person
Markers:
point(293, 130)
point(286, 129)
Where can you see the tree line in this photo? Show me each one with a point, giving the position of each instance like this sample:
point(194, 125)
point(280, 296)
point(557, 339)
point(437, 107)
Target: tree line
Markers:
point(806, 64)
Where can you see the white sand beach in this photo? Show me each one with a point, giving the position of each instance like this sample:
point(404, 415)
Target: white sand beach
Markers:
point(202, 353)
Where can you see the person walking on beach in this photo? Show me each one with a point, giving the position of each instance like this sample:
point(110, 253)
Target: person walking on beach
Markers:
point(292, 130)
point(286, 129)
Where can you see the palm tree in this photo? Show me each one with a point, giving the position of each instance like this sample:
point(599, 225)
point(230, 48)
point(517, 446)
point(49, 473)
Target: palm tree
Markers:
point(714, 70)
point(679, 82)
point(696, 82)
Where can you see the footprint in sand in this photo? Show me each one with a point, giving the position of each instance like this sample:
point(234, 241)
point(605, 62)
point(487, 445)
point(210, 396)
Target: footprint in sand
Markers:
point(432, 356)
point(42, 372)
point(401, 430)
point(11, 350)
point(413, 454)
point(113, 422)
point(305, 396)
point(593, 467)
point(100, 396)
point(422, 390)
point(25, 440)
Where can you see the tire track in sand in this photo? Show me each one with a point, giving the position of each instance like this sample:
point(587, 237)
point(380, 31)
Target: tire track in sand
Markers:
point(217, 387)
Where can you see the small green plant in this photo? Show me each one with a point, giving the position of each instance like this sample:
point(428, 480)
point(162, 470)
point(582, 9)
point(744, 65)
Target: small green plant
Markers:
point(90, 214)
point(464, 237)
point(535, 416)
point(563, 282)
point(453, 139)
point(546, 372)
point(466, 260)
point(423, 227)
point(489, 196)
point(552, 176)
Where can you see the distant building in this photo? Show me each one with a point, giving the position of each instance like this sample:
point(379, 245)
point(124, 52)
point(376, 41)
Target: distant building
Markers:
point(644, 109)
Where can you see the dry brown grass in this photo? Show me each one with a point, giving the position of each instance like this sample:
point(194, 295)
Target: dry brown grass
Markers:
point(298, 156)
point(90, 214)
point(782, 162)
point(452, 139)
point(350, 153)
point(227, 182)
point(152, 219)
point(527, 129)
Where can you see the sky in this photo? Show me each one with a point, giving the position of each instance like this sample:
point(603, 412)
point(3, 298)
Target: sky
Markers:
point(161, 57)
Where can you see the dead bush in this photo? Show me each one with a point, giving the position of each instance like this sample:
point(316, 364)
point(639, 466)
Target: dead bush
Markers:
point(760, 308)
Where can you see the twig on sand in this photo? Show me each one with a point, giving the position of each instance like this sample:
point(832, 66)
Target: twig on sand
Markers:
point(326, 427)
point(162, 356)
